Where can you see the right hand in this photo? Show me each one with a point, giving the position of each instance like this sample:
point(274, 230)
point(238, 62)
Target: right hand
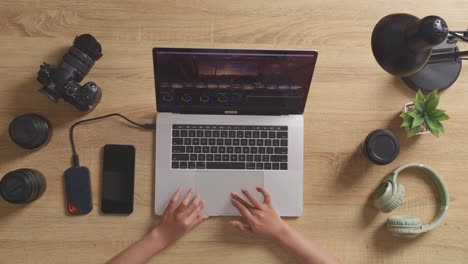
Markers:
point(261, 219)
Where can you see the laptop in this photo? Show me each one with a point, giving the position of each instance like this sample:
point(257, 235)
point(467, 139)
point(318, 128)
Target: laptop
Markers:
point(229, 120)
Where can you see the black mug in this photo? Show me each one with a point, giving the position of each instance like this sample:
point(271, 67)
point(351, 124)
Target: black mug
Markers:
point(22, 186)
point(30, 131)
point(381, 147)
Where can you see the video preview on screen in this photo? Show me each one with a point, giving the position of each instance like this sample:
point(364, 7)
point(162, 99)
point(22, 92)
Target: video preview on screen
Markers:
point(204, 81)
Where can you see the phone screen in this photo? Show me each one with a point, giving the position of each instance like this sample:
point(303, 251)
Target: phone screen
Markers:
point(118, 179)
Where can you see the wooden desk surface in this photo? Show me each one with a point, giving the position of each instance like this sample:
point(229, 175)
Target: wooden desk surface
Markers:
point(350, 96)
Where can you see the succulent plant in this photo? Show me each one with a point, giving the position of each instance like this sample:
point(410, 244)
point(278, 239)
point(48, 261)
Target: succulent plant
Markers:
point(424, 115)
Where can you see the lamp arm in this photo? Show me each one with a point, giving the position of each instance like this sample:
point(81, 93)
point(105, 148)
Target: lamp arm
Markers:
point(447, 55)
point(442, 55)
point(461, 35)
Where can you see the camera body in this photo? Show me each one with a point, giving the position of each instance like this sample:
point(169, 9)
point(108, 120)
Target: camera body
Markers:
point(64, 81)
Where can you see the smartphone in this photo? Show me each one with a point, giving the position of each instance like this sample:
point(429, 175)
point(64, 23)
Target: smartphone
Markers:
point(118, 178)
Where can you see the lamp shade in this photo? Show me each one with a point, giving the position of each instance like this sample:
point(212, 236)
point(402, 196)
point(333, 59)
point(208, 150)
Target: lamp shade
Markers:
point(402, 44)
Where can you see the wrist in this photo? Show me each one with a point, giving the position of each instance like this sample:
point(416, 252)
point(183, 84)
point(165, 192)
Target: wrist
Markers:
point(283, 233)
point(157, 236)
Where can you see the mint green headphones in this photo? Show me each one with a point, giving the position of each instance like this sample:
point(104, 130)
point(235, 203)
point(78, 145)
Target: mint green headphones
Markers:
point(389, 194)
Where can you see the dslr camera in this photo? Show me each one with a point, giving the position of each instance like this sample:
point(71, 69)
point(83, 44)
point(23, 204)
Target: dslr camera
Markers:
point(64, 81)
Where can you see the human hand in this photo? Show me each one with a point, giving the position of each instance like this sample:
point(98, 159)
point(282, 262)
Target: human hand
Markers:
point(261, 219)
point(177, 221)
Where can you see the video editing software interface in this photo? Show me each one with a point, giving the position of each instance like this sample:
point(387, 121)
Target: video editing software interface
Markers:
point(245, 81)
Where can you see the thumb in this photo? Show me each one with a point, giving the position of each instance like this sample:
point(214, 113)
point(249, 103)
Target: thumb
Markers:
point(244, 228)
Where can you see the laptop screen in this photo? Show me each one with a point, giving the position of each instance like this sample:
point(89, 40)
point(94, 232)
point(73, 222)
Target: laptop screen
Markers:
point(232, 81)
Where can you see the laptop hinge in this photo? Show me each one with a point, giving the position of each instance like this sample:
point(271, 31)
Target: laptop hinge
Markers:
point(230, 112)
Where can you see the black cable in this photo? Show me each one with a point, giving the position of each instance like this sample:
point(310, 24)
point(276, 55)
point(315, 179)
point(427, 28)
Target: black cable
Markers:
point(76, 161)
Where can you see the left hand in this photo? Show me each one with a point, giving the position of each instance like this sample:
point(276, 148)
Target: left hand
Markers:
point(177, 221)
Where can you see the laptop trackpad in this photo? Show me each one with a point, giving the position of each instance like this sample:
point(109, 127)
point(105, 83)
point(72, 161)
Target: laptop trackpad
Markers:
point(216, 186)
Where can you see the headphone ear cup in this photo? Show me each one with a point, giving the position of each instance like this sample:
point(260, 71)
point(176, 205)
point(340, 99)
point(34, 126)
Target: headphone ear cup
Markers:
point(383, 194)
point(403, 225)
point(391, 202)
point(397, 199)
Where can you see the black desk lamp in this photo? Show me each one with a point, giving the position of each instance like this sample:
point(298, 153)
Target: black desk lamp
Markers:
point(421, 51)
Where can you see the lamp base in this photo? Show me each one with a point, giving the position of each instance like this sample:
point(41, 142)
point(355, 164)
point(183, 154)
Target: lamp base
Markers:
point(436, 75)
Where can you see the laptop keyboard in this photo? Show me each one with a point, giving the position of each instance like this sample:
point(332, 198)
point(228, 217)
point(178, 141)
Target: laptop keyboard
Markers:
point(227, 147)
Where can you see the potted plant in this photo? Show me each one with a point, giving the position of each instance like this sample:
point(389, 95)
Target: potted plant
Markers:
point(421, 116)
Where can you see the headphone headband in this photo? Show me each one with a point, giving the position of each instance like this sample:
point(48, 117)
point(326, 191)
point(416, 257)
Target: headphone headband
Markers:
point(442, 189)
point(443, 192)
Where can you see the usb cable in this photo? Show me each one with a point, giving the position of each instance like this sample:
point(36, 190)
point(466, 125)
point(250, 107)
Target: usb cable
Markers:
point(75, 157)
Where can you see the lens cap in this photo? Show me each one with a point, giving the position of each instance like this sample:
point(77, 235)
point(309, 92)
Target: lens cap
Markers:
point(381, 146)
point(22, 186)
point(30, 131)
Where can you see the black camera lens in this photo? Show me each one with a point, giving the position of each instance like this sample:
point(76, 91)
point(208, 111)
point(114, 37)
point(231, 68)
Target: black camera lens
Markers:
point(22, 186)
point(30, 131)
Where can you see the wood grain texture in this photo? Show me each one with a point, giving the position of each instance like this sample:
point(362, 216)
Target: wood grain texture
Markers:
point(350, 96)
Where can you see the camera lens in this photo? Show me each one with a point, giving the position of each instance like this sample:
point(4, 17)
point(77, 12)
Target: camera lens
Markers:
point(22, 186)
point(30, 131)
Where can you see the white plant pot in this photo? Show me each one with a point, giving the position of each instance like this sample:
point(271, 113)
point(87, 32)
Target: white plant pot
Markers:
point(406, 111)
